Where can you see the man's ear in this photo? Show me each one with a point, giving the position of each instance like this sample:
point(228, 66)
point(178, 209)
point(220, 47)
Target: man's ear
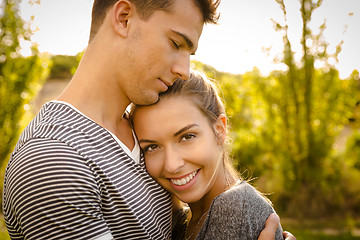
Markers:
point(220, 129)
point(122, 12)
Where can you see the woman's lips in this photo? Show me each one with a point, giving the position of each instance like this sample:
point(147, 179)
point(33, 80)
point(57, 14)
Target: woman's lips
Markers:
point(184, 182)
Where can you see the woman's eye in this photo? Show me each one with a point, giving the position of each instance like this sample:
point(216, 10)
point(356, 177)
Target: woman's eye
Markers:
point(187, 137)
point(150, 148)
point(175, 44)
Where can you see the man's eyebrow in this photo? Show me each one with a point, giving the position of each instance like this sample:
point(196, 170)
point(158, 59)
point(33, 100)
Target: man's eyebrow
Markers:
point(189, 43)
point(186, 128)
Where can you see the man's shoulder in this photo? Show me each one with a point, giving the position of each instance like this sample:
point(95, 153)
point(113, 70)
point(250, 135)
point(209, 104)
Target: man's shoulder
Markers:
point(51, 114)
point(61, 122)
point(39, 154)
point(57, 114)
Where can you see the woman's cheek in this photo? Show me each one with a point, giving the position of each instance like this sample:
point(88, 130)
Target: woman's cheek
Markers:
point(153, 167)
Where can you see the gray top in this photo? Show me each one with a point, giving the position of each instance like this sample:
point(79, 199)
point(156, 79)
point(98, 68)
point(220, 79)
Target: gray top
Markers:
point(239, 213)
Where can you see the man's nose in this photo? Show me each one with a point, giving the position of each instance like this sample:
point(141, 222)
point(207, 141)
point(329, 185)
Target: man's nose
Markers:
point(181, 67)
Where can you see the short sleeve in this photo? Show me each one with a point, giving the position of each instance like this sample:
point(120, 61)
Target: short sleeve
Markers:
point(50, 193)
point(239, 213)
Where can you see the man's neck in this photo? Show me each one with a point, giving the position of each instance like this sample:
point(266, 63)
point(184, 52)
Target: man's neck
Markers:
point(97, 96)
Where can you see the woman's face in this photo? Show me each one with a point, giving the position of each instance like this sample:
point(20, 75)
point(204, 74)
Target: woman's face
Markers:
point(182, 152)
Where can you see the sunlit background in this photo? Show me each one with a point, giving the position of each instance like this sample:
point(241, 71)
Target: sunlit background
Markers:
point(235, 45)
point(295, 133)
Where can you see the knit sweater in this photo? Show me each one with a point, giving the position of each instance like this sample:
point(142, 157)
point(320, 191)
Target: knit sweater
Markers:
point(239, 213)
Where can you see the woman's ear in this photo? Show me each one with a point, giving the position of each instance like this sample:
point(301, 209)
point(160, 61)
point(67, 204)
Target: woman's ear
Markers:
point(220, 129)
point(122, 14)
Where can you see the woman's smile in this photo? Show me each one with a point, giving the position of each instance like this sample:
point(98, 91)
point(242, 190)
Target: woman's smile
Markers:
point(184, 182)
point(181, 148)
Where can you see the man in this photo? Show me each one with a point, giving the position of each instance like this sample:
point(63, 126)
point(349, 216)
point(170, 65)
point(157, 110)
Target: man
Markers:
point(76, 171)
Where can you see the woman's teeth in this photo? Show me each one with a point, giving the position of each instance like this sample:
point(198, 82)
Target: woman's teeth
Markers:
point(183, 181)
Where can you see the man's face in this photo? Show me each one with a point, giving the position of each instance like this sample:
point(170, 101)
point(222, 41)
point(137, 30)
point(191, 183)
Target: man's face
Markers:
point(159, 51)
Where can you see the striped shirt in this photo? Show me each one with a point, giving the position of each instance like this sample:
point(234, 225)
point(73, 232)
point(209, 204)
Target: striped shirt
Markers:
point(69, 178)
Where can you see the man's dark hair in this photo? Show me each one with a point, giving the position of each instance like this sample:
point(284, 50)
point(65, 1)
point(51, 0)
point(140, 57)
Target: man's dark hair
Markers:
point(146, 7)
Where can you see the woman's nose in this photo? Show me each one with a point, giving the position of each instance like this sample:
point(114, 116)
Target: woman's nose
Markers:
point(173, 161)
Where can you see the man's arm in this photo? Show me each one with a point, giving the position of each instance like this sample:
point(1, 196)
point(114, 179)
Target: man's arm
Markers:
point(271, 225)
point(50, 192)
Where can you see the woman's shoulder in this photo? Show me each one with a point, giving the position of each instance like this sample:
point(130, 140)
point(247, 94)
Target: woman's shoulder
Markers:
point(242, 192)
point(240, 211)
point(243, 203)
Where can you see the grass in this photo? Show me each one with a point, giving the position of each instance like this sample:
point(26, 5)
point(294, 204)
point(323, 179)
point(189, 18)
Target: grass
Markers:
point(300, 235)
point(323, 229)
point(309, 235)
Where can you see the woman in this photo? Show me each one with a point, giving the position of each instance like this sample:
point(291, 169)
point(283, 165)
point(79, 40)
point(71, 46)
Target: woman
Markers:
point(183, 138)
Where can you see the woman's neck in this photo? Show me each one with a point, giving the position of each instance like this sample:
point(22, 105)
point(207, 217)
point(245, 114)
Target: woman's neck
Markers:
point(200, 208)
point(224, 182)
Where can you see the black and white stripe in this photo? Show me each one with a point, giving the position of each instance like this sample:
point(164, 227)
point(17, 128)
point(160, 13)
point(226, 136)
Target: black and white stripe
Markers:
point(69, 179)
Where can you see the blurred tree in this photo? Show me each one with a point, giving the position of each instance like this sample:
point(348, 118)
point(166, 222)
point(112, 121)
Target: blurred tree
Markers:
point(284, 125)
point(305, 110)
point(20, 77)
point(63, 66)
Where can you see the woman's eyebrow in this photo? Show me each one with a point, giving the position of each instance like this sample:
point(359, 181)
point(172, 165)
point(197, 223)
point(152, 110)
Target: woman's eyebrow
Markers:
point(146, 141)
point(176, 134)
point(186, 128)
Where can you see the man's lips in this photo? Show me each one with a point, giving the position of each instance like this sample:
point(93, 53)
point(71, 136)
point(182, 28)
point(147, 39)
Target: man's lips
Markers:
point(167, 83)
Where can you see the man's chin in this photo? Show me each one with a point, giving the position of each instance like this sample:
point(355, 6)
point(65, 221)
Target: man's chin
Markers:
point(147, 101)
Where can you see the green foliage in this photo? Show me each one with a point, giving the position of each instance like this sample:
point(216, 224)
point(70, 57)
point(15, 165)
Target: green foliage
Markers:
point(353, 150)
point(284, 127)
point(63, 66)
point(20, 77)
point(306, 109)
